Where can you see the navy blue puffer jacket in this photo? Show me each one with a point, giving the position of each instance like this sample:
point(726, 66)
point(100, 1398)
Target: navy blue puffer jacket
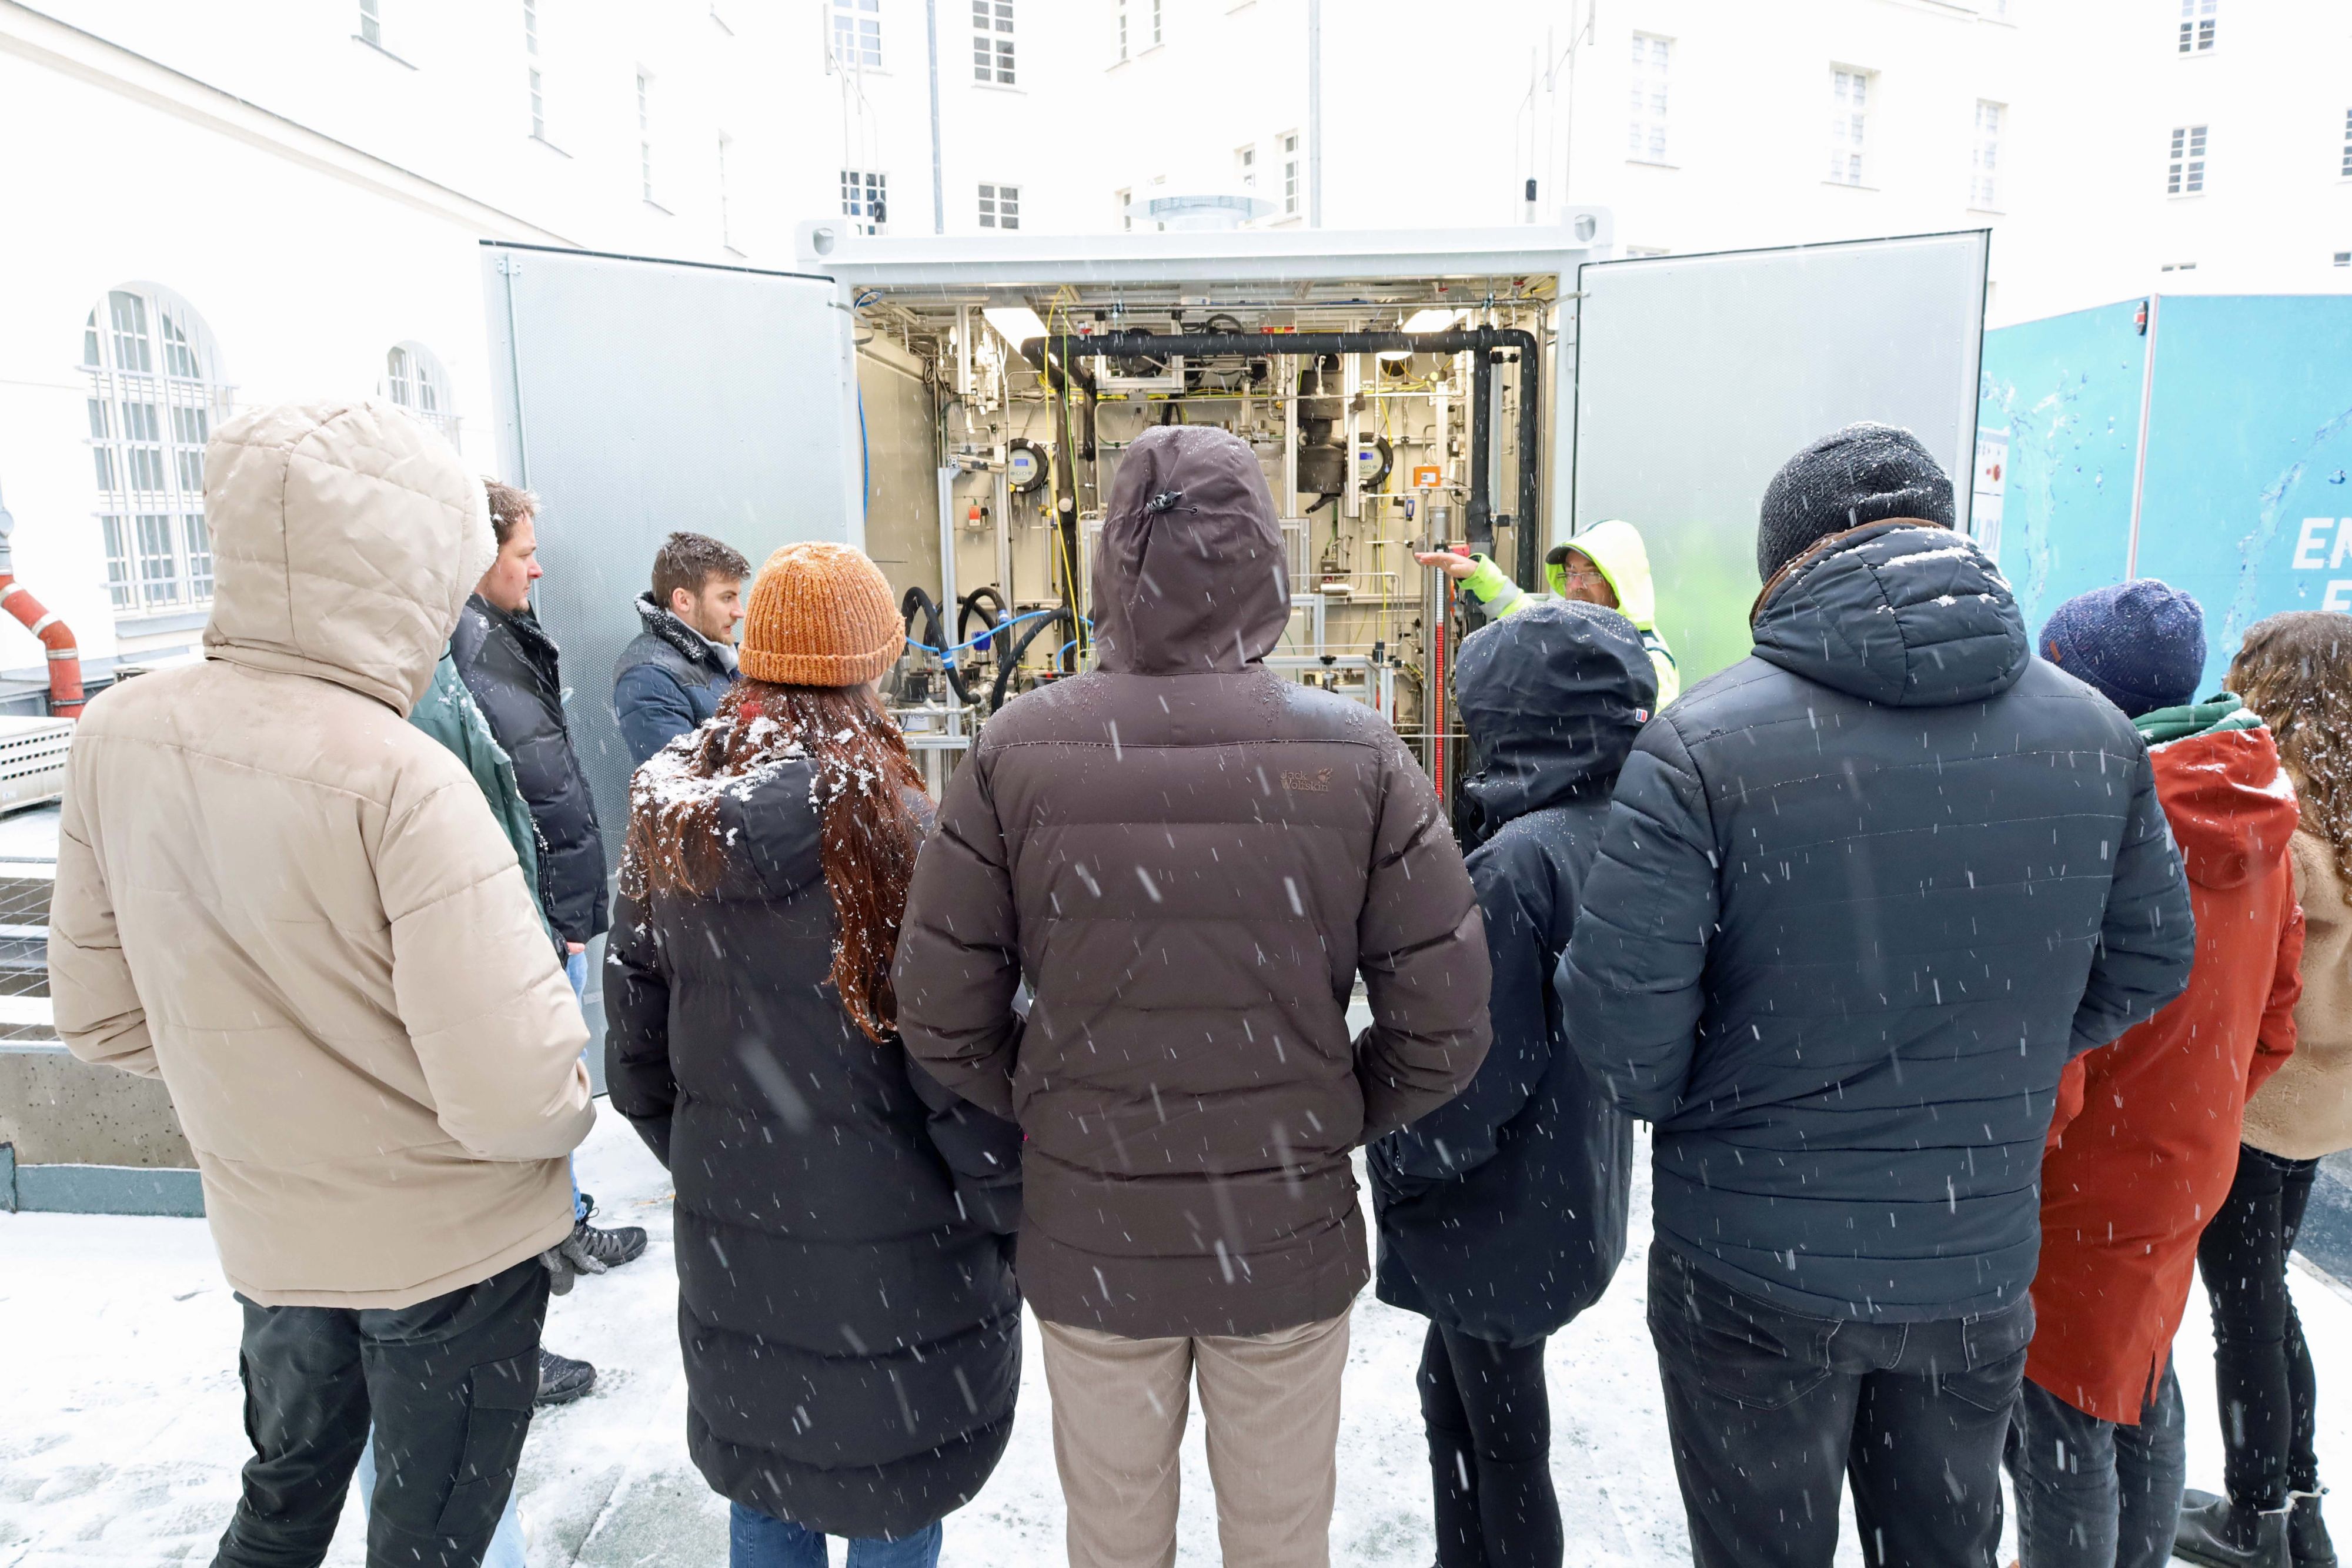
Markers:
point(1861, 898)
point(1502, 1212)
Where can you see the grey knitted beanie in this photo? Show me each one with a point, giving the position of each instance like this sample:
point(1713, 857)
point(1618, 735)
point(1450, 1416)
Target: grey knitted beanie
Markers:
point(1864, 474)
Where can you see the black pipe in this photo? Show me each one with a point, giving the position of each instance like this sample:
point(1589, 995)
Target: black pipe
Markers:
point(917, 598)
point(1060, 371)
point(1011, 660)
point(1478, 517)
point(1526, 532)
point(970, 603)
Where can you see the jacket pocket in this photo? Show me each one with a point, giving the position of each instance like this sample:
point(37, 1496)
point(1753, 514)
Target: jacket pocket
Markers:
point(1736, 1347)
point(498, 1396)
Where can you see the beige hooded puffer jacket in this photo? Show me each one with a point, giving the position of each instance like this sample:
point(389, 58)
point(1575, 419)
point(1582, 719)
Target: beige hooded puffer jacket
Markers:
point(294, 907)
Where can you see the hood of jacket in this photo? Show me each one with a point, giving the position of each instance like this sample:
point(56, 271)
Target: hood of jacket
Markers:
point(1615, 548)
point(1902, 612)
point(1553, 697)
point(1188, 578)
point(346, 537)
point(2232, 805)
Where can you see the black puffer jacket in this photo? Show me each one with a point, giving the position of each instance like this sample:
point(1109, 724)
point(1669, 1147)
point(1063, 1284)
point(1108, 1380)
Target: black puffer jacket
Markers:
point(510, 664)
point(1861, 898)
point(1502, 1212)
point(844, 1258)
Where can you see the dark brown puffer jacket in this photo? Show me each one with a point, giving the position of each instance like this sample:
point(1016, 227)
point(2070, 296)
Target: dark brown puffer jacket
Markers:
point(1190, 860)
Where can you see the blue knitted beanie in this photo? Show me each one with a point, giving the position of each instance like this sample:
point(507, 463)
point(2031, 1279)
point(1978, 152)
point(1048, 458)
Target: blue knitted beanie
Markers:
point(2141, 645)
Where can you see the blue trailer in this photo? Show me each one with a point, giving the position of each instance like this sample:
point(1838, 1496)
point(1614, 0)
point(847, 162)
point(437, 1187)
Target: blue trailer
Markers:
point(2202, 439)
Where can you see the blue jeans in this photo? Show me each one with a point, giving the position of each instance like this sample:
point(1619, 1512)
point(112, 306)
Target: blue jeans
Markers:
point(2090, 1493)
point(756, 1541)
point(506, 1545)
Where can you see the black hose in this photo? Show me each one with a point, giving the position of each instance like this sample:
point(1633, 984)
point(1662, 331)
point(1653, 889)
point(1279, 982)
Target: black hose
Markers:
point(917, 598)
point(1011, 660)
point(969, 604)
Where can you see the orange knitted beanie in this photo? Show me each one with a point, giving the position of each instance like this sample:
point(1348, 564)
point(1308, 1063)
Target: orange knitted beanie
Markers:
point(821, 616)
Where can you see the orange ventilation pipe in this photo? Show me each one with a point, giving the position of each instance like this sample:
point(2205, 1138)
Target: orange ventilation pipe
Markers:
point(65, 659)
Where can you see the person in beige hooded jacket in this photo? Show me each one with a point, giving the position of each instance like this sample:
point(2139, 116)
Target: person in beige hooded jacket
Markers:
point(292, 905)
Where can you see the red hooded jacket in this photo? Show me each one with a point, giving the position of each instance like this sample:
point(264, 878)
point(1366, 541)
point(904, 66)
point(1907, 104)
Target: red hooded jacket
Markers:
point(2144, 1141)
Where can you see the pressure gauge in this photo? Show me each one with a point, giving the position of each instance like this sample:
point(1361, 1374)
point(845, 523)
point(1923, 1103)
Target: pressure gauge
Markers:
point(1025, 465)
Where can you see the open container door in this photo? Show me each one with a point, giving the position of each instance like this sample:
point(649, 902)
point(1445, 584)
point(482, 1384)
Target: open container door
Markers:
point(640, 397)
point(1698, 376)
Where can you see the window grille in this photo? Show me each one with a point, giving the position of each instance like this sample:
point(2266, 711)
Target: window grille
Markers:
point(2197, 25)
point(857, 34)
point(999, 207)
point(1645, 131)
point(865, 201)
point(155, 395)
point(1984, 161)
point(1849, 122)
point(413, 378)
point(2184, 174)
point(992, 42)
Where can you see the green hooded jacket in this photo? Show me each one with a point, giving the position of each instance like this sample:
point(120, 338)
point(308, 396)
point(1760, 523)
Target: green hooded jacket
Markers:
point(446, 712)
point(1615, 548)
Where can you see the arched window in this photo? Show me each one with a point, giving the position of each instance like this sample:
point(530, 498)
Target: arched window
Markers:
point(413, 378)
point(155, 393)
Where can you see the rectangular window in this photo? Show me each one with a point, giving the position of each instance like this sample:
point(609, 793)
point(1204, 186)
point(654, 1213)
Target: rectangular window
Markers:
point(127, 312)
point(2344, 258)
point(2197, 22)
point(1645, 130)
point(866, 200)
point(1290, 172)
point(142, 430)
point(531, 53)
point(190, 430)
point(1984, 161)
point(999, 207)
point(2184, 174)
point(1126, 215)
point(158, 568)
point(726, 235)
point(1849, 124)
point(2347, 144)
point(1156, 33)
point(857, 34)
point(992, 42)
point(372, 22)
point(118, 560)
point(645, 134)
point(1245, 167)
point(1119, 10)
point(101, 438)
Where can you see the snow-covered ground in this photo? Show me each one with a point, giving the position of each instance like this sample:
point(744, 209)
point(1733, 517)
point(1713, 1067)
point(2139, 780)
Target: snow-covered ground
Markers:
point(121, 1432)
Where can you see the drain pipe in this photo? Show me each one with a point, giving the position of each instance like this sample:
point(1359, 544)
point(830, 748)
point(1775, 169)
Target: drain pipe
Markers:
point(65, 659)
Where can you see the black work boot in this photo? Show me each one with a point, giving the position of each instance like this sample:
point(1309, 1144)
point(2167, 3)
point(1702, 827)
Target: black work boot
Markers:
point(621, 1244)
point(561, 1379)
point(2306, 1534)
point(2221, 1534)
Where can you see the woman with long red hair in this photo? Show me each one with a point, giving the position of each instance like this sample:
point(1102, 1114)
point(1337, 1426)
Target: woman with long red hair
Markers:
point(844, 1225)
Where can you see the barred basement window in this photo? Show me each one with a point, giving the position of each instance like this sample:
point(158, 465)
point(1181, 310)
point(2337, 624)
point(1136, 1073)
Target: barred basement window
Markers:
point(155, 394)
point(992, 42)
point(413, 378)
point(2184, 174)
point(999, 207)
point(866, 201)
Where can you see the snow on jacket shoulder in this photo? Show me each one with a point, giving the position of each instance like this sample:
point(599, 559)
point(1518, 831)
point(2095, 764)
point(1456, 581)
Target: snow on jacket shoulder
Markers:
point(1862, 896)
point(2145, 1142)
point(511, 665)
point(668, 679)
point(2304, 1111)
point(851, 1326)
point(1190, 860)
point(1502, 1212)
point(294, 905)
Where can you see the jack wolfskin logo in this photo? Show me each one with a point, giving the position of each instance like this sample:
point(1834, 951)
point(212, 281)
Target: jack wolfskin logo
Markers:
point(1316, 783)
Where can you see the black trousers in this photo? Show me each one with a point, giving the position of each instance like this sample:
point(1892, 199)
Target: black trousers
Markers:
point(2268, 1394)
point(449, 1384)
point(1489, 1419)
point(1772, 1411)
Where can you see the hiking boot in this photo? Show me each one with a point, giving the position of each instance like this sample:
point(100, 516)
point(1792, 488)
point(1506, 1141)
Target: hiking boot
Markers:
point(2306, 1534)
point(587, 1209)
point(2221, 1534)
point(561, 1379)
point(621, 1244)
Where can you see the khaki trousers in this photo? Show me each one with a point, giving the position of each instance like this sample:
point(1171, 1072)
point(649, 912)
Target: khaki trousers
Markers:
point(1272, 1403)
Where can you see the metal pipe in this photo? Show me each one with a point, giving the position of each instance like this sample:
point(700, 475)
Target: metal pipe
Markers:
point(1527, 523)
point(1478, 512)
point(939, 189)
